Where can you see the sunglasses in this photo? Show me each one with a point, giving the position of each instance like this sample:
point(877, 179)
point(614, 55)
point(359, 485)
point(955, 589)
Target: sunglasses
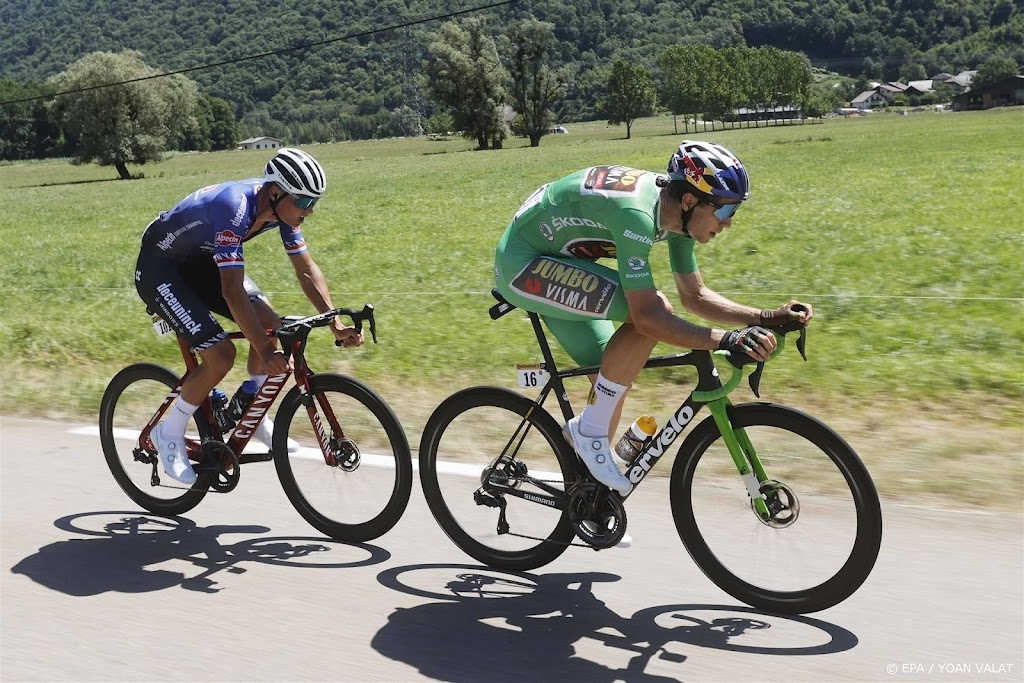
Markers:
point(722, 211)
point(305, 202)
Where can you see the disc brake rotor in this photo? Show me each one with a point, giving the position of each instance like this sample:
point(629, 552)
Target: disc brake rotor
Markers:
point(782, 503)
point(346, 453)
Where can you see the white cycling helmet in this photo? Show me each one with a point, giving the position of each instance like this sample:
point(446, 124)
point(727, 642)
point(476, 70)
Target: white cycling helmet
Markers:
point(297, 173)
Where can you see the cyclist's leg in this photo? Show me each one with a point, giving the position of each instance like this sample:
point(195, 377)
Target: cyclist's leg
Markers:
point(200, 279)
point(556, 287)
point(269, 319)
point(587, 297)
point(164, 286)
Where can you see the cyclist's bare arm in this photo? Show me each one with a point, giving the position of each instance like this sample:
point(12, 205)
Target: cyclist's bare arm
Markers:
point(314, 286)
point(652, 317)
point(701, 300)
point(245, 316)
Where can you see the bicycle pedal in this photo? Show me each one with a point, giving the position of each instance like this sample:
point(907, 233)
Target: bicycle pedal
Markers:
point(255, 457)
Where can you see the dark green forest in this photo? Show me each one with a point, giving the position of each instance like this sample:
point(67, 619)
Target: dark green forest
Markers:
point(356, 88)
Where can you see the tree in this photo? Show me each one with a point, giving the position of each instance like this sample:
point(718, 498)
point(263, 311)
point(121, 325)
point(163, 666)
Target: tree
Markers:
point(468, 77)
point(403, 121)
point(631, 94)
point(821, 101)
point(440, 122)
point(535, 87)
point(912, 71)
point(223, 126)
point(121, 124)
point(993, 70)
point(27, 129)
point(684, 69)
point(944, 92)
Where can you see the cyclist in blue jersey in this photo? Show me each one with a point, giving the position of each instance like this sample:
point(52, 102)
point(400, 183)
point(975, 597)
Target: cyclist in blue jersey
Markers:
point(546, 262)
point(191, 266)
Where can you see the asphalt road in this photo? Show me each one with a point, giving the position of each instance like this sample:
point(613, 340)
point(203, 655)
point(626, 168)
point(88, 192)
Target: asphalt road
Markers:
point(241, 589)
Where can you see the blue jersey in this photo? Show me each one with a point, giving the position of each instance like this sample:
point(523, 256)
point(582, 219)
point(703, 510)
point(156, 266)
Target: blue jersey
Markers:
point(214, 222)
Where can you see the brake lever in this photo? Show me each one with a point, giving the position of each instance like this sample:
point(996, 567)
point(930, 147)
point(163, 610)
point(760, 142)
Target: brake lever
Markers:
point(357, 322)
point(368, 312)
point(754, 380)
point(801, 342)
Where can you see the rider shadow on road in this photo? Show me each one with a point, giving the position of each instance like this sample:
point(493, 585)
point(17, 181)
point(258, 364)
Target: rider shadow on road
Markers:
point(509, 626)
point(119, 548)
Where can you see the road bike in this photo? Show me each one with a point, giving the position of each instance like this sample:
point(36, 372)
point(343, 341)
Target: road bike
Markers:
point(351, 477)
point(791, 526)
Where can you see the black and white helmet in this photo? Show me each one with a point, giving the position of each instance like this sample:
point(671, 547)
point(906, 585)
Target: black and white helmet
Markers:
point(297, 173)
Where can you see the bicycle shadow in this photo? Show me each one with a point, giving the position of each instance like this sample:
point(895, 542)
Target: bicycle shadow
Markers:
point(121, 552)
point(519, 626)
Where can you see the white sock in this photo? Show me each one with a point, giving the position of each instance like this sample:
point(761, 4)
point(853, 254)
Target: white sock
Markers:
point(177, 417)
point(597, 416)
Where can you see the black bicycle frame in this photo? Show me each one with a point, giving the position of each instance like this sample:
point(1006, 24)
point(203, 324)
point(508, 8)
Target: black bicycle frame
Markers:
point(647, 458)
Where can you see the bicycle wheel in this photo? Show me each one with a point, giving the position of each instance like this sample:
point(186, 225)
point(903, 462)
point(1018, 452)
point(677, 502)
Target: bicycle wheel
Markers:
point(365, 489)
point(828, 527)
point(128, 403)
point(460, 449)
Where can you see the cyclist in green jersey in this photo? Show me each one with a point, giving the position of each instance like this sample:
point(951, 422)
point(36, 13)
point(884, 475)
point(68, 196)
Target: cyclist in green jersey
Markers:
point(546, 262)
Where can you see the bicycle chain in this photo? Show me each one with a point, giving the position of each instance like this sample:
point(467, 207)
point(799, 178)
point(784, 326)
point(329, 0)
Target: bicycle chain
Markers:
point(548, 540)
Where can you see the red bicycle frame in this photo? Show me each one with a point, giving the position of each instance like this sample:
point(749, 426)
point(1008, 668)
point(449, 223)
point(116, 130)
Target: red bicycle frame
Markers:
point(258, 407)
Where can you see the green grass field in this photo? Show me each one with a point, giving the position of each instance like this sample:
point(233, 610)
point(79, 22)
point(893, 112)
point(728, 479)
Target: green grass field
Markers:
point(906, 233)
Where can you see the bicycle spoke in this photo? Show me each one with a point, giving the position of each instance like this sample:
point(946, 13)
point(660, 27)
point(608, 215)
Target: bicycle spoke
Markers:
point(360, 489)
point(128, 404)
point(805, 554)
point(823, 536)
point(495, 479)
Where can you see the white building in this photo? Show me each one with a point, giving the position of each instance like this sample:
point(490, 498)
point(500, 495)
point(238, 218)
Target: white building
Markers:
point(262, 142)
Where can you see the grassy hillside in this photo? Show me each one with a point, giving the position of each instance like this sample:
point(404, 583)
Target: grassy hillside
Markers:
point(904, 232)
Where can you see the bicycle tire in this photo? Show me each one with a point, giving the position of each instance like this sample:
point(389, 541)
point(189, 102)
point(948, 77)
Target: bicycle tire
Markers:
point(116, 389)
point(493, 401)
point(368, 420)
point(809, 432)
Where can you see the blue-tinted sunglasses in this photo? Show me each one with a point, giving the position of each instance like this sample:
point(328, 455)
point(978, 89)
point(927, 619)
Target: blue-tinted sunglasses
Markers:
point(722, 211)
point(305, 202)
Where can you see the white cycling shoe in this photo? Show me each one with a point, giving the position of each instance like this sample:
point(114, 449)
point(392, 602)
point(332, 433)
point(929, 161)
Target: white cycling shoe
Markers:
point(265, 435)
point(596, 454)
point(172, 456)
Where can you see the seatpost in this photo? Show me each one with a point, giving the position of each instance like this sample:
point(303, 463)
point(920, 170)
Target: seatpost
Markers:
point(554, 381)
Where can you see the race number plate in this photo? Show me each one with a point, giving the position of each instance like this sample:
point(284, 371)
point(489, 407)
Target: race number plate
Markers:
point(161, 326)
point(531, 375)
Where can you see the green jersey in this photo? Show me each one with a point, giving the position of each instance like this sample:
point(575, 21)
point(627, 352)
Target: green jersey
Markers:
point(603, 212)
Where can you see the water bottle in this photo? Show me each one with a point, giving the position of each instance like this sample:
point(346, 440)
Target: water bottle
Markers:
point(635, 438)
point(241, 400)
point(219, 401)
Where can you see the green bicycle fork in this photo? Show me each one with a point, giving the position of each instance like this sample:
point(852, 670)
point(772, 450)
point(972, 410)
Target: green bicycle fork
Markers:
point(743, 456)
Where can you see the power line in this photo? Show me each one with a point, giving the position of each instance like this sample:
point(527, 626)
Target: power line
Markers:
point(302, 46)
point(473, 292)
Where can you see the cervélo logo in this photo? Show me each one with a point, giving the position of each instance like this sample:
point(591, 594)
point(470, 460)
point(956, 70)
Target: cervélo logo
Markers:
point(661, 443)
